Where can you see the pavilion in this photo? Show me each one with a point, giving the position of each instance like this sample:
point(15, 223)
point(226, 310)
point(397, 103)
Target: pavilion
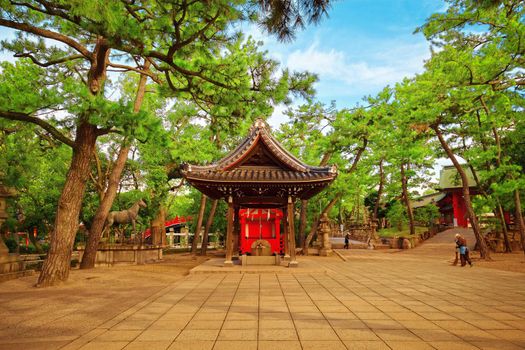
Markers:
point(259, 173)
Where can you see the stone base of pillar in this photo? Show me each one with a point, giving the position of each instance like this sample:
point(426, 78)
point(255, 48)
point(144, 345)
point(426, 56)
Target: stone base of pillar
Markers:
point(228, 263)
point(286, 257)
point(293, 263)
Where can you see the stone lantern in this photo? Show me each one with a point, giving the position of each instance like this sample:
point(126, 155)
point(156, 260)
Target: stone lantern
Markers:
point(10, 264)
point(4, 194)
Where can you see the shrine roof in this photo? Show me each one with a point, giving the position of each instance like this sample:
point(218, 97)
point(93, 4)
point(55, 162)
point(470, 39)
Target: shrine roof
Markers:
point(259, 158)
point(450, 179)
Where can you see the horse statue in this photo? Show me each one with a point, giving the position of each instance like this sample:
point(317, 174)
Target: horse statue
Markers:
point(125, 216)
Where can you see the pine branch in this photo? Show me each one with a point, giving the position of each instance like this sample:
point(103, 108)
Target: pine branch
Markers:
point(42, 123)
point(47, 34)
point(49, 63)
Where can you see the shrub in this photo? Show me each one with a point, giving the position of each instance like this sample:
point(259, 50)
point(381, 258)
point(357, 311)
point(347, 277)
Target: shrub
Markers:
point(427, 215)
point(396, 215)
point(30, 249)
point(11, 244)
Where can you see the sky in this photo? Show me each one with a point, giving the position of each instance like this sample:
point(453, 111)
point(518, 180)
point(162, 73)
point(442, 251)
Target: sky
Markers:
point(360, 48)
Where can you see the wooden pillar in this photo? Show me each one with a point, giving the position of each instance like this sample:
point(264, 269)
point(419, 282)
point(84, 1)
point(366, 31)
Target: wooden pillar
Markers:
point(229, 233)
point(291, 232)
point(286, 234)
point(236, 231)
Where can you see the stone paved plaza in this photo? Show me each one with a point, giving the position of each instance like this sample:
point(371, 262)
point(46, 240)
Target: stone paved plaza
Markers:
point(374, 300)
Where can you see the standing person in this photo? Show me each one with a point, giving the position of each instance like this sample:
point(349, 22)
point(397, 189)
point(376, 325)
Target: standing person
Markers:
point(347, 240)
point(464, 254)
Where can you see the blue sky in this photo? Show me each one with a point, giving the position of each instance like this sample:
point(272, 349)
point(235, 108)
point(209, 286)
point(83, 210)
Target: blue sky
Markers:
point(360, 48)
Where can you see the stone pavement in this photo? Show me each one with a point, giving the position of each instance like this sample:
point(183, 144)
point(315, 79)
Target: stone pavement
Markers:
point(374, 300)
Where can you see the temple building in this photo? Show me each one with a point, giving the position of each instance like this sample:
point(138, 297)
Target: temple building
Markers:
point(260, 181)
point(449, 199)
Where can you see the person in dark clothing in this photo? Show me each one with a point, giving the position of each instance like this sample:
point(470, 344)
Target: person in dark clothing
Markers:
point(347, 241)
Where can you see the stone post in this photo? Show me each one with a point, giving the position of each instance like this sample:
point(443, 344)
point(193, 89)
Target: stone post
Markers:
point(324, 236)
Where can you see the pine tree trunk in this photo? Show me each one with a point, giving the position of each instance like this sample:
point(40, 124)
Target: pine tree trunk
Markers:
point(379, 193)
point(519, 218)
point(57, 264)
point(508, 248)
point(302, 222)
point(483, 249)
point(196, 236)
point(158, 228)
point(406, 199)
point(97, 226)
point(209, 222)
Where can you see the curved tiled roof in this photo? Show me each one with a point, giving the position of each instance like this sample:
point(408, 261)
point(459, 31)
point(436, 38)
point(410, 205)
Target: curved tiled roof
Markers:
point(262, 161)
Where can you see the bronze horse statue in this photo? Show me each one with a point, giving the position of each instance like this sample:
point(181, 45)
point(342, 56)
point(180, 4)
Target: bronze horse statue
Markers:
point(125, 216)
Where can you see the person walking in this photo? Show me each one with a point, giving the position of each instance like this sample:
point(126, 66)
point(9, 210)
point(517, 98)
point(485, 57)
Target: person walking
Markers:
point(347, 240)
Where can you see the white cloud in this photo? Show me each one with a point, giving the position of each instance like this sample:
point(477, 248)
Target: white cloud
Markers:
point(376, 70)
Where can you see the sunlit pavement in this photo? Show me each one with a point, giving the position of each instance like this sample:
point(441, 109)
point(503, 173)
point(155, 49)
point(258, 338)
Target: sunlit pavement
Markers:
point(374, 300)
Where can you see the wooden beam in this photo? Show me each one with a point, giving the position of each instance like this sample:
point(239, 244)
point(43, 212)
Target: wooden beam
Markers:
point(229, 233)
point(291, 232)
point(286, 234)
point(236, 231)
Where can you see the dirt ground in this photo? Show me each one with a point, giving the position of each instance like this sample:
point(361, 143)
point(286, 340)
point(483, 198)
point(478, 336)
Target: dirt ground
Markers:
point(88, 299)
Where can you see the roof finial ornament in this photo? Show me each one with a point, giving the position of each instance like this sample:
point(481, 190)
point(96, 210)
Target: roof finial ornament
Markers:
point(259, 124)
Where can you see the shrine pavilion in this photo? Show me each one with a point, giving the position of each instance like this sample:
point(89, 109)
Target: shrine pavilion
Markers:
point(262, 177)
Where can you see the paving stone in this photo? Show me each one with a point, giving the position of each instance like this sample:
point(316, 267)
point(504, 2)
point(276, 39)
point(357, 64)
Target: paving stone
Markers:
point(125, 335)
point(366, 345)
point(435, 335)
point(209, 316)
point(448, 345)
point(372, 315)
point(396, 334)
point(419, 324)
point(279, 345)
point(347, 315)
point(148, 345)
point(242, 316)
point(106, 345)
point(312, 324)
point(198, 324)
point(201, 334)
point(455, 324)
point(191, 345)
point(404, 316)
point(276, 324)
point(275, 316)
point(238, 334)
point(323, 345)
point(40, 345)
point(277, 334)
point(409, 345)
point(496, 345)
point(348, 324)
point(383, 324)
point(307, 316)
point(356, 334)
point(316, 334)
point(154, 335)
point(235, 345)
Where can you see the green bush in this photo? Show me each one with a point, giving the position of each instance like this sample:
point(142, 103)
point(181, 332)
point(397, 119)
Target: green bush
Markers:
point(397, 216)
point(11, 244)
point(30, 249)
point(427, 215)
